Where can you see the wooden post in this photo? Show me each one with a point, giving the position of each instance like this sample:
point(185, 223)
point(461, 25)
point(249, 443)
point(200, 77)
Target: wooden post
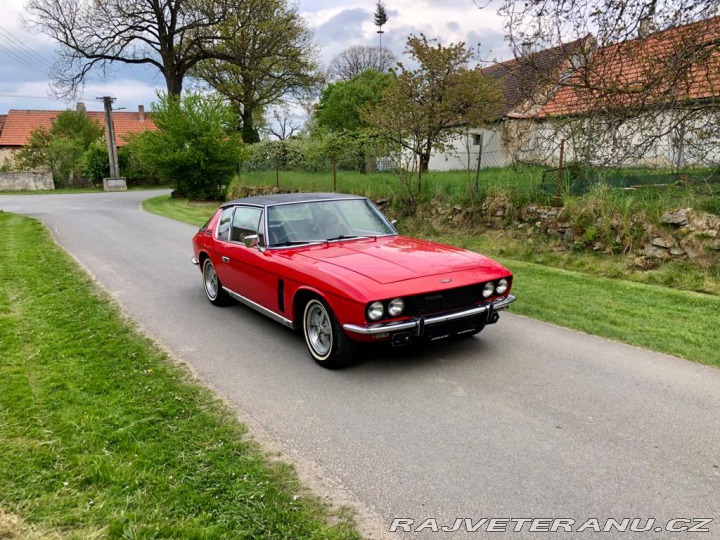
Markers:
point(420, 171)
point(477, 172)
point(277, 171)
point(334, 173)
point(558, 194)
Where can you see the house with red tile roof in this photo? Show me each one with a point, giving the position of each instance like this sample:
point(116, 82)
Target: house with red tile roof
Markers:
point(17, 125)
point(652, 101)
point(526, 83)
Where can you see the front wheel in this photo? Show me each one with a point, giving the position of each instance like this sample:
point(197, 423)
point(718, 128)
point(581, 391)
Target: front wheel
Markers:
point(326, 340)
point(213, 287)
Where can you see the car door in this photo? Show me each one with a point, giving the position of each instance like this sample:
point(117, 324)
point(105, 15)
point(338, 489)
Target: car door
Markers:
point(218, 254)
point(247, 274)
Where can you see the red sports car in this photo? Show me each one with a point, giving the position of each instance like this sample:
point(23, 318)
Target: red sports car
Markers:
point(335, 268)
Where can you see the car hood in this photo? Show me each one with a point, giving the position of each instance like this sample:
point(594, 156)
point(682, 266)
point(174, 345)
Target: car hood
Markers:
point(398, 258)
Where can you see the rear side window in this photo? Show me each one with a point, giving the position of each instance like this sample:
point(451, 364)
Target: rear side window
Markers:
point(224, 223)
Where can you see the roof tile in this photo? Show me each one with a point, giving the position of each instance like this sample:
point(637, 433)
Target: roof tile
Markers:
point(19, 124)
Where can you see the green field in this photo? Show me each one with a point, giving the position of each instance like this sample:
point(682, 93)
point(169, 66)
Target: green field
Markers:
point(524, 181)
point(103, 436)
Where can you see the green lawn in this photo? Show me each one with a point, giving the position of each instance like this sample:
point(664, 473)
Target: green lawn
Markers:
point(103, 436)
point(680, 323)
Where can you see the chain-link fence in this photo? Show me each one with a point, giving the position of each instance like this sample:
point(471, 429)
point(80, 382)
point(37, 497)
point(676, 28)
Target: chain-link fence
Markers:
point(306, 165)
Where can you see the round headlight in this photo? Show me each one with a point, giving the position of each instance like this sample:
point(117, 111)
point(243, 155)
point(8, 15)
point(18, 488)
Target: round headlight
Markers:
point(488, 289)
point(375, 311)
point(395, 307)
point(501, 286)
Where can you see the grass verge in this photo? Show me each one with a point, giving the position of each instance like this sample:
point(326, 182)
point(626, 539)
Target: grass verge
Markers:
point(101, 435)
point(193, 212)
point(680, 323)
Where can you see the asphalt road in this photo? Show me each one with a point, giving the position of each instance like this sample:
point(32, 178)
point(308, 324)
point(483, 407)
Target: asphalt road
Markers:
point(527, 420)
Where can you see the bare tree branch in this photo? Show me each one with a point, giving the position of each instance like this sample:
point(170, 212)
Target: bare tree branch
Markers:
point(634, 75)
point(358, 58)
point(171, 35)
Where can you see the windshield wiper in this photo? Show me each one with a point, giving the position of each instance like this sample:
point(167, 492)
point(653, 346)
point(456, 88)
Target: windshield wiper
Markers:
point(299, 242)
point(349, 237)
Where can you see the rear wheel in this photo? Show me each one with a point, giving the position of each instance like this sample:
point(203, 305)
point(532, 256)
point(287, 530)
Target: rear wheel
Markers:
point(213, 287)
point(325, 338)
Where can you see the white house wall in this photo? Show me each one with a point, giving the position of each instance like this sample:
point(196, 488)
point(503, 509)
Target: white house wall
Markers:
point(653, 141)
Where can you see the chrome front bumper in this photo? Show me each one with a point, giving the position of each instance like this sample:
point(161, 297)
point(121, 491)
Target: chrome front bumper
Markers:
point(418, 323)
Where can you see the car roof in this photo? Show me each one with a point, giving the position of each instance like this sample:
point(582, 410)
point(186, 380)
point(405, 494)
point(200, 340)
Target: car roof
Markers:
point(284, 198)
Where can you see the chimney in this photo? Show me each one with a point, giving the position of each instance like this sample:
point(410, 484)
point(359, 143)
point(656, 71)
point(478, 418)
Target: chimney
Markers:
point(141, 112)
point(81, 107)
point(526, 48)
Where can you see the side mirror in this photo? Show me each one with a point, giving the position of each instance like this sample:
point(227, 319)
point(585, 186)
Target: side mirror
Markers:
point(251, 240)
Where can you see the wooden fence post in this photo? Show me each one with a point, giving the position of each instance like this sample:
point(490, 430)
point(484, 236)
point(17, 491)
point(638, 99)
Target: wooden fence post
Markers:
point(558, 194)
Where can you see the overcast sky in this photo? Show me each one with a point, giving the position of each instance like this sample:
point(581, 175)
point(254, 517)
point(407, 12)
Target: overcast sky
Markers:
point(25, 55)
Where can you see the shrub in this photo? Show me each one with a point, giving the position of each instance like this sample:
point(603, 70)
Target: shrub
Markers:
point(97, 163)
point(195, 148)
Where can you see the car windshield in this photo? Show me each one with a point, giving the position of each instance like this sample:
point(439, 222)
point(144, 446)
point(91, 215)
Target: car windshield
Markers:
point(324, 221)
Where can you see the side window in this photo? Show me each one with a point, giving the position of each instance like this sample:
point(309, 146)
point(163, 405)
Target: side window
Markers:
point(223, 228)
point(246, 221)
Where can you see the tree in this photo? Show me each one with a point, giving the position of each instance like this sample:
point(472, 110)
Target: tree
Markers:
point(380, 19)
point(284, 124)
point(171, 35)
point(358, 58)
point(640, 74)
point(422, 109)
point(268, 55)
point(62, 147)
point(195, 147)
point(339, 110)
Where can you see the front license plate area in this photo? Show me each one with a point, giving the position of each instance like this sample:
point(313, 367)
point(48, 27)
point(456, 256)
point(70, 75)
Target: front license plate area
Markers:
point(451, 329)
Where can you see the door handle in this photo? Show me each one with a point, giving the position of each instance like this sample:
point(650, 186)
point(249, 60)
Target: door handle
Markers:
point(225, 259)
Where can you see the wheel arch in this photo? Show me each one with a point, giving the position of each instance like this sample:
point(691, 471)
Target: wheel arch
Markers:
point(300, 299)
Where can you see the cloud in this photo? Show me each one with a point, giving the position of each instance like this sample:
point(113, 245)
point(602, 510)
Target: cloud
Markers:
point(338, 24)
point(342, 31)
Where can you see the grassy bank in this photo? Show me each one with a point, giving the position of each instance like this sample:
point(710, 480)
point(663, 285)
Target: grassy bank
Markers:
point(102, 436)
point(676, 322)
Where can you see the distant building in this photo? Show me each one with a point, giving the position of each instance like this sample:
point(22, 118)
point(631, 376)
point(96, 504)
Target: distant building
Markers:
point(17, 125)
point(609, 104)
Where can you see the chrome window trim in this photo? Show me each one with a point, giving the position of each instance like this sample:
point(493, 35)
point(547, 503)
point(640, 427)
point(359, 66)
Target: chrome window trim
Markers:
point(320, 242)
point(263, 214)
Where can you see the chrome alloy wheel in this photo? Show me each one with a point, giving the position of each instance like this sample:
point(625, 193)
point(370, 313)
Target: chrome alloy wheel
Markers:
point(318, 330)
point(211, 280)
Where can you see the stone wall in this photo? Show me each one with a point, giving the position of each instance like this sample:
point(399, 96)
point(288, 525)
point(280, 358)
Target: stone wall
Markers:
point(17, 181)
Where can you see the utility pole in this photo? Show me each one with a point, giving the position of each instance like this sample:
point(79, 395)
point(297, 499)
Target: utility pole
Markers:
point(114, 182)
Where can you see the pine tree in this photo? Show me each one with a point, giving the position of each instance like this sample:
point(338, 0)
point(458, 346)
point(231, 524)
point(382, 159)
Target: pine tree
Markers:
point(380, 18)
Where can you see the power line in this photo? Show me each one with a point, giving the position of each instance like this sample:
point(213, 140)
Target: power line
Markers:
point(30, 59)
point(24, 47)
